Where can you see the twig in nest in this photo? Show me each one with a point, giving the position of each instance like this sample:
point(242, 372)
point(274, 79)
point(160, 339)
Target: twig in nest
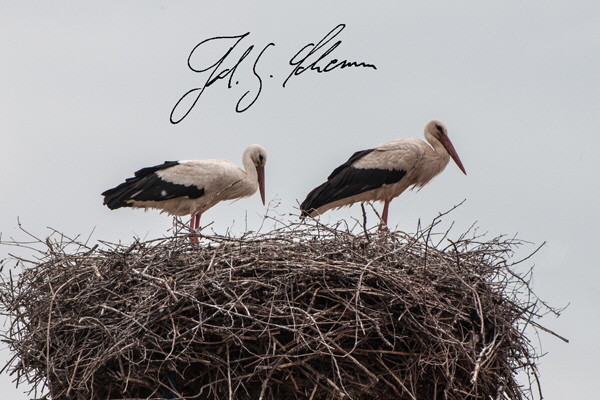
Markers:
point(305, 311)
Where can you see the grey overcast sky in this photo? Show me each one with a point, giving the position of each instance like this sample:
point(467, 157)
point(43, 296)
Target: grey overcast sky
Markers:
point(87, 89)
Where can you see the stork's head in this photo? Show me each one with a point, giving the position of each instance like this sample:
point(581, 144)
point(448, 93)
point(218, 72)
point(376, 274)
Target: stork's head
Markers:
point(258, 156)
point(436, 130)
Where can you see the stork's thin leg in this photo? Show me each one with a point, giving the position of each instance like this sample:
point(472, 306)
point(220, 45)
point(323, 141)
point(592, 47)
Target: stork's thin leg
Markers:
point(194, 224)
point(384, 216)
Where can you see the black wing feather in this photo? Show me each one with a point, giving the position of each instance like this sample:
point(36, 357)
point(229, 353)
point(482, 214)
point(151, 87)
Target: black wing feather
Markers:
point(150, 170)
point(346, 181)
point(146, 185)
point(356, 156)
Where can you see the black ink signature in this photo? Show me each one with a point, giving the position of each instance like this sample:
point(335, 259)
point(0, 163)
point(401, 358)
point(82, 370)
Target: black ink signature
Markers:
point(315, 51)
point(217, 74)
point(309, 58)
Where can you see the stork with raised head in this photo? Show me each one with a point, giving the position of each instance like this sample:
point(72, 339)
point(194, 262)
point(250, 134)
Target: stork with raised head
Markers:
point(384, 172)
point(191, 186)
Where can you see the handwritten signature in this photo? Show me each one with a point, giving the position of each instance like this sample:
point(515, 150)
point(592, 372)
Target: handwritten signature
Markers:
point(310, 58)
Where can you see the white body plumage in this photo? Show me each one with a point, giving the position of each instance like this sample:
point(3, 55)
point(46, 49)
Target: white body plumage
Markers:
point(220, 179)
point(384, 172)
point(191, 186)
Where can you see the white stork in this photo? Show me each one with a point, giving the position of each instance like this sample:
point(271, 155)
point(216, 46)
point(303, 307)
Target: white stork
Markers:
point(384, 172)
point(191, 186)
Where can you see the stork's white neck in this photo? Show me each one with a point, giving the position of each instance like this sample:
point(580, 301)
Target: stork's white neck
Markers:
point(435, 160)
point(249, 166)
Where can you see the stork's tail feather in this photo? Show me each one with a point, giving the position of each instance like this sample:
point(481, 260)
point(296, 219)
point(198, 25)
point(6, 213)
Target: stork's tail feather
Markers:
point(115, 198)
point(140, 187)
point(316, 198)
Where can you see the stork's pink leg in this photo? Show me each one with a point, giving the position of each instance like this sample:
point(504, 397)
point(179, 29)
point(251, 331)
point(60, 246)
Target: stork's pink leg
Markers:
point(384, 216)
point(194, 224)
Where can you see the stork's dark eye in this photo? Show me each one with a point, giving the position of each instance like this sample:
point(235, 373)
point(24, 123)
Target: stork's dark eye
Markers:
point(439, 127)
point(260, 157)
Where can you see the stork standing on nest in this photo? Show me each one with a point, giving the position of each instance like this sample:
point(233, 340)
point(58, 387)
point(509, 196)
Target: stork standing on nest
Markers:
point(384, 172)
point(191, 186)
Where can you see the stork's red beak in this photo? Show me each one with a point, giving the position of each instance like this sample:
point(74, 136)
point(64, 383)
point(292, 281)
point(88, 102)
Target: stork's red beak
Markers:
point(450, 148)
point(260, 171)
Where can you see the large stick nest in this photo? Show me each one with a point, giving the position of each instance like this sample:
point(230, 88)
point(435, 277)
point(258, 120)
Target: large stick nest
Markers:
point(302, 312)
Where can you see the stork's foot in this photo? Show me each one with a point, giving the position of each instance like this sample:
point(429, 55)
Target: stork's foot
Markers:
point(383, 228)
point(194, 239)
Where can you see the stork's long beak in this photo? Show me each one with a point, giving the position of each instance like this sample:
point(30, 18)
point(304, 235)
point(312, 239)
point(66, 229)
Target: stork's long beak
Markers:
point(260, 171)
point(450, 148)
